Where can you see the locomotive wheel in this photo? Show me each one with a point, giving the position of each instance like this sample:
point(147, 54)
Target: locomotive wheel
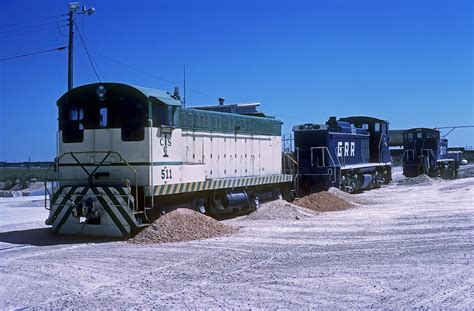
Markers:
point(199, 206)
point(451, 173)
point(287, 194)
point(254, 203)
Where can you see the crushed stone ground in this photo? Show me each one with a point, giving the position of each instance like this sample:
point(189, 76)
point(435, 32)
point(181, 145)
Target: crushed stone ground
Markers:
point(182, 225)
point(456, 185)
point(413, 249)
point(323, 202)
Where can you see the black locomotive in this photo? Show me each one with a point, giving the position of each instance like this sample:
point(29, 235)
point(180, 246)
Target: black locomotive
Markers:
point(425, 152)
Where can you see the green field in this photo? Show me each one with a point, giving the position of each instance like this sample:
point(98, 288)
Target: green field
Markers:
point(34, 172)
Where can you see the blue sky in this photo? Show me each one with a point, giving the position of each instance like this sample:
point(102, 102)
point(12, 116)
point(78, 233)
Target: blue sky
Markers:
point(409, 62)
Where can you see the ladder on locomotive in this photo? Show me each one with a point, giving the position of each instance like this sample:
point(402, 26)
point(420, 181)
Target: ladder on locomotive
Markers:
point(289, 161)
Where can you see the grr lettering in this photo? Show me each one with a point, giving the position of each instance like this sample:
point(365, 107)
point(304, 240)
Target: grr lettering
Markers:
point(346, 148)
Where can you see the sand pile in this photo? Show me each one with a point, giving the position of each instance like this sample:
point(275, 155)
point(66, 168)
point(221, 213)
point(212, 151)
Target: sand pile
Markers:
point(182, 225)
point(278, 210)
point(323, 202)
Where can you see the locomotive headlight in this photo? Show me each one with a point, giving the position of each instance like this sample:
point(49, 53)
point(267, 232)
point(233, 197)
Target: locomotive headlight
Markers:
point(100, 92)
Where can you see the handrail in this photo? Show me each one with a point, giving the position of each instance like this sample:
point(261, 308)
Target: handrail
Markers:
point(407, 152)
point(325, 149)
point(343, 155)
point(90, 175)
point(286, 154)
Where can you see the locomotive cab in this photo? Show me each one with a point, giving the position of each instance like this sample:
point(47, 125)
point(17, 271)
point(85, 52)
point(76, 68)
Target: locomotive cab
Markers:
point(379, 139)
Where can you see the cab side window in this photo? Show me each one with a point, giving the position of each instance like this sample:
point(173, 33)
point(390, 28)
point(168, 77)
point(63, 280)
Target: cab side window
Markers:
point(163, 114)
point(377, 127)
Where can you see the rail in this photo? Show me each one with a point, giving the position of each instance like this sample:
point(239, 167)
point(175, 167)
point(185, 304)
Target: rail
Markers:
point(90, 175)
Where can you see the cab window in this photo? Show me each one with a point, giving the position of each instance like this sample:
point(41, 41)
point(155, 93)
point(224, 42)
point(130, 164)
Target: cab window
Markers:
point(103, 117)
point(132, 115)
point(73, 124)
point(163, 114)
point(377, 127)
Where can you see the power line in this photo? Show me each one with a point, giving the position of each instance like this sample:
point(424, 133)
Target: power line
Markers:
point(87, 52)
point(33, 22)
point(98, 69)
point(29, 32)
point(32, 53)
point(31, 26)
point(450, 127)
point(134, 68)
point(150, 75)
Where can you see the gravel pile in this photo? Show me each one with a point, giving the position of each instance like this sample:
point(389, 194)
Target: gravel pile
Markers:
point(323, 202)
point(350, 198)
point(421, 180)
point(278, 210)
point(182, 225)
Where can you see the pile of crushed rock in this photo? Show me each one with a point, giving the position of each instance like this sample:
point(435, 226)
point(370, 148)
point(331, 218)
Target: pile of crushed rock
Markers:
point(182, 225)
point(350, 198)
point(278, 210)
point(323, 202)
point(421, 180)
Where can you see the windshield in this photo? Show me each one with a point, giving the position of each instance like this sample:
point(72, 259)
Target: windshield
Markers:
point(86, 110)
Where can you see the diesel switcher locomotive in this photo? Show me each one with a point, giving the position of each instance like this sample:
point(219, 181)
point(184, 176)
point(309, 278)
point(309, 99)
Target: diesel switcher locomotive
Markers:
point(350, 153)
point(425, 152)
point(127, 154)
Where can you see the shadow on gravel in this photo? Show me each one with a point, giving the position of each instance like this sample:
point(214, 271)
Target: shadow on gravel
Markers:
point(44, 237)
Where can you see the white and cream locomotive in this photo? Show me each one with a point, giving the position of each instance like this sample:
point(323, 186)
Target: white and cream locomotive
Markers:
point(127, 154)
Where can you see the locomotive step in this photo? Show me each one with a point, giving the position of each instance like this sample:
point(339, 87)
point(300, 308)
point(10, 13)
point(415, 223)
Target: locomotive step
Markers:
point(141, 219)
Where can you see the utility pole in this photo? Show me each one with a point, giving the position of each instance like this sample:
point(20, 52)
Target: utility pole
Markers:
point(184, 85)
point(73, 6)
point(70, 46)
